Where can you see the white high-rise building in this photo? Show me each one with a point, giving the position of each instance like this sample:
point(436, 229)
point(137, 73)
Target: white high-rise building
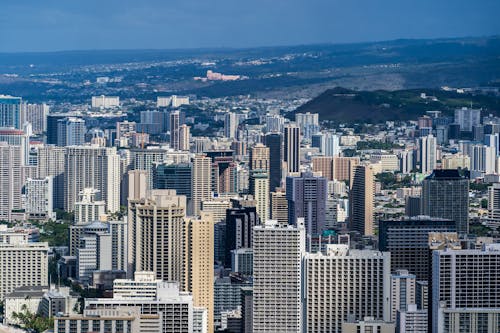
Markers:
point(23, 264)
point(428, 153)
point(345, 282)
point(231, 125)
point(465, 291)
point(277, 267)
point(36, 115)
point(482, 161)
point(174, 117)
point(95, 167)
point(201, 181)
point(184, 137)
point(402, 292)
point(274, 123)
point(89, 208)
point(51, 163)
point(308, 123)
point(11, 180)
point(412, 320)
point(467, 118)
point(39, 198)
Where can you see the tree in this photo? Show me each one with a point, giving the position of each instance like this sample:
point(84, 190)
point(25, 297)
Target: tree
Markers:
point(32, 321)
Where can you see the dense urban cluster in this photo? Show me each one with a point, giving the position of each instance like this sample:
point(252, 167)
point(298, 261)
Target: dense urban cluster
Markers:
point(241, 215)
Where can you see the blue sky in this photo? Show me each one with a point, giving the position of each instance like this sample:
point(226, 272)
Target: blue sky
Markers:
point(52, 25)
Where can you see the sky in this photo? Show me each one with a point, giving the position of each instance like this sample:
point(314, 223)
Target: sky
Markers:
point(54, 25)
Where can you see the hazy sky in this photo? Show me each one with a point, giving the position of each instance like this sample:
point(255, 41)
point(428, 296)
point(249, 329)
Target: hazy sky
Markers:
point(51, 25)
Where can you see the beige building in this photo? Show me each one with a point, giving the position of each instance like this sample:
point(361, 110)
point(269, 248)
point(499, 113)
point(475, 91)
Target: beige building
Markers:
point(343, 166)
point(455, 161)
point(324, 164)
point(184, 137)
point(200, 263)
point(201, 181)
point(218, 207)
point(279, 206)
point(23, 264)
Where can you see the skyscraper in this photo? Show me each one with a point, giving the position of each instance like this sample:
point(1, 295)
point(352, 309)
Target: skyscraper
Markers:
point(89, 207)
point(184, 137)
point(427, 153)
point(336, 286)
point(51, 163)
point(200, 263)
point(277, 288)
point(306, 196)
point(160, 235)
point(361, 196)
point(239, 225)
point(230, 125)
point(11, 180)
point(402, 292)
point(201, 181)
point(407, 239)
point(445, 194)
point(10, 111)
point(174, 176)
point(467, 118)
point(174, 129)
point(71, 132)
point(466, 290)
point(95, 167)
point(274, 141)
point(292, 148)
point(36, 115)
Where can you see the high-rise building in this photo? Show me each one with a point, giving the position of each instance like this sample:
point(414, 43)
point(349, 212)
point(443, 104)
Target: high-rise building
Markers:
point(427, 153)
point(306, 196)
point(224, 171)
point(274, 123)
point(22, 264)
point(50, 163)
point(279, 206)
point(39, 199)
point(231, 125)
point(308, 123)
point(19, 138)
point(343, 167)
point(174, 129)
point(482, 160)
point(466, 290)
point(36, 115)
point(105, 102)
point(160, 235)
point(408, 239)
point(445, 194)
point(71, 132)
point(467, 118)
point(201, 181)
point(52, 121)
point(143, 159)
point(361, 195)
point(292, 148)
point(89, 207)
point(200, 263)
point(95, 167)
point(323, 164)
point(11, 180)
point(10, 111)
point(184, 137)
point(239, 225)
point(259, 181)
point(277, 288)
point(402, 292)
point(336, 287)
point(274, 141)
point(174, 176)
point(494, 203)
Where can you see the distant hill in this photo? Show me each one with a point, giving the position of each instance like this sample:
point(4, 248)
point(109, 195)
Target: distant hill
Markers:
point(350, 106)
